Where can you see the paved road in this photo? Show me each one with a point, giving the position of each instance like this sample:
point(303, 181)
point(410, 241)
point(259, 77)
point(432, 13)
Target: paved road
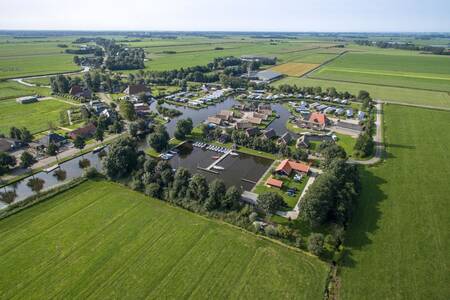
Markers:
point(21, 79)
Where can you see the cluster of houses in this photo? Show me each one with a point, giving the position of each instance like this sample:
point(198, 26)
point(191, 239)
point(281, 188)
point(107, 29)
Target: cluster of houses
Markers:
point(245, 120)
point(287, 168)
point(305, 108)
point(190, 97)
point(263, 96)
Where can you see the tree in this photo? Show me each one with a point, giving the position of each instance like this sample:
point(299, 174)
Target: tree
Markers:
point(121, 158)
point(26, 160)
point(52, 149)
point(8, 196)
point(217, 190)
point(36, 184)
point(127, 111)
point(270, 202)
point(315, 243)
point(300, 154)
point(184, 128)
point(331, 151)
point(99, 134)
point(79, 143)
point(84, 163)
point(153, 190)
point(364, 145)
point(231, 199)
point(180, 184)
point(60, 174)
point(159, 139)
point(6, 161)
point(198, 188)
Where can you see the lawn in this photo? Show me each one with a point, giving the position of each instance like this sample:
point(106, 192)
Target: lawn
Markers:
point(34, 116)
point(431, 72)
point(100, 240)
point(294, 69)
point(393, 94)
point(11, 89)
point(400, 240)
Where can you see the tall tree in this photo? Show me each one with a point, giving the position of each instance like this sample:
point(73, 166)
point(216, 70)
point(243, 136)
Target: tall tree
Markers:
point(26, 160)
point(217, 190)
point(36, 184)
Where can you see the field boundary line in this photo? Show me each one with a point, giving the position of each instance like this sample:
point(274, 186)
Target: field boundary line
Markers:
point(306, 75)
point(414, 105)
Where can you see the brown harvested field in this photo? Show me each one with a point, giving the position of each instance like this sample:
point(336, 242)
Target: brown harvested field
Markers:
point(294, 69)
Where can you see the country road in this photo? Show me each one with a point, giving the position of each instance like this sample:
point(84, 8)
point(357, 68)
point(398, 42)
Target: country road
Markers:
point(21, 79)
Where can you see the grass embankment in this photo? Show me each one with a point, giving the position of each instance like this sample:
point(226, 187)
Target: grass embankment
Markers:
point(101, 240)
point(35, 116)
point(399, 239)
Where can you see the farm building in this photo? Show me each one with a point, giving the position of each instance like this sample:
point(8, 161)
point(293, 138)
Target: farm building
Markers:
point(272, 182)
point(27, 99)
point(268, 76)
point(135, 89)
point(85, 132)
point(78, 91)
point(287, 166)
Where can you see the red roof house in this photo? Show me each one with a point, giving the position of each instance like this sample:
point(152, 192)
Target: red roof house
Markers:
point(274, 182)
point(287, 166)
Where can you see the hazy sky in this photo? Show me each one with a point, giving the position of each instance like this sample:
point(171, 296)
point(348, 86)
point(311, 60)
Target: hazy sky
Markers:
point(233, 15)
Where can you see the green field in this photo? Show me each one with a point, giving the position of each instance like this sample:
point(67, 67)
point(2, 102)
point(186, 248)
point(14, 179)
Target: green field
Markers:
point(400, 240)
point(430, 72)
point(34, 116)
point(11, 89)
point(394, 94)
point(100, 240)
point(20, 59)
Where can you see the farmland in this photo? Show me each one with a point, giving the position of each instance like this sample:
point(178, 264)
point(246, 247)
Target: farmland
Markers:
point(33, 58)
point(34, 116)
point(101, 240)
point(429, 72)
point(399, 241)
point(11, 89)
point(294, 69)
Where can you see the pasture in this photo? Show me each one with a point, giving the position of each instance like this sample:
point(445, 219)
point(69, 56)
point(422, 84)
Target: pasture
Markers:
point(35, 116)
point(428, 72)
point(100, 240)
point(294, 69)
point(21, 59)
point(399, 241)
point(12, 89)
point(393, 94)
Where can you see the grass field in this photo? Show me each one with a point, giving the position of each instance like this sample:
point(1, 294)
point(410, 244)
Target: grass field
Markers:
point(294, 69)
point(100, 240)
point(34, 116)
point(411, 71)
point(11, 89)
point(399, 240)
point(33, 58)
point(403, 95)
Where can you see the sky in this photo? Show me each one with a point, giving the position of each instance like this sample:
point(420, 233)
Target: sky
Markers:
point(228, 15)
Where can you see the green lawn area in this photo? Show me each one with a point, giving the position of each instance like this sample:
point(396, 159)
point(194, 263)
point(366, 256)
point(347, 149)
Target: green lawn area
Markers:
point(101, 240)
point(34, 116)
point(11, 89)
point(400, 240)
point(288, 183)
point(39, 81)
point(393, 94)
point(423, 72)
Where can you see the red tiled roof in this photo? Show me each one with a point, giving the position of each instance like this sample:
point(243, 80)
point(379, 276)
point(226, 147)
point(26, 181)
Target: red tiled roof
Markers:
point(274, 182)
point(318, 118)
point(287, 166)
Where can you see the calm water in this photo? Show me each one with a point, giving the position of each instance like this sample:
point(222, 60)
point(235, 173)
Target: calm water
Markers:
point(236, 168)
point(241, 171)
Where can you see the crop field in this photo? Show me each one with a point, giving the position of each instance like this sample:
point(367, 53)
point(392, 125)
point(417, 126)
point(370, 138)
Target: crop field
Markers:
point(399, 241)
point(34, 116)
point(100, 240)
point(33, 58)
point(11, 89)
point(429, 72)
point(393, 94)
point(294, 69)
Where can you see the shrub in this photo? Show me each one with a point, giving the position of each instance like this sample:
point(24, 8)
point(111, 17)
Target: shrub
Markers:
point(271, 231)
point(84, 163)
point(315, 244)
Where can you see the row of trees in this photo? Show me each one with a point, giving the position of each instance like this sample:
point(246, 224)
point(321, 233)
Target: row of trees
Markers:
point(119, 57)
point(94, 81)
point(404, 46)
point(21, 134)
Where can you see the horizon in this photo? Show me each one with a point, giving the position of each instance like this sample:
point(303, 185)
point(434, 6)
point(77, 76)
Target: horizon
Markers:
point(323, 16)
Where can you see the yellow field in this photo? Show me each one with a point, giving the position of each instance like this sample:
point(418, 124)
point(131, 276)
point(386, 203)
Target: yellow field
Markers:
point(294, 69)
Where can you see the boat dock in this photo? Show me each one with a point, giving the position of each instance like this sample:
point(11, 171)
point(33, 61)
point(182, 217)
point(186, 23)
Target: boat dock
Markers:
point(211, 166)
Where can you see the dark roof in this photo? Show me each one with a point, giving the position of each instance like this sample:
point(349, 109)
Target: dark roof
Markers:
point(270, 133)
point(134, 89)
point(51, 138)
point(252, 131)
point(83, 131)
point(286, 137)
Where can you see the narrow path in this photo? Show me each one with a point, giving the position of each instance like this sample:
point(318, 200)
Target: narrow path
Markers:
point(21, 79)
point(324, 63)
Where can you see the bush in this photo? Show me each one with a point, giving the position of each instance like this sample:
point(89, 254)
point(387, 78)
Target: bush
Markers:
point(92, 173)
point(299, 242)
point(271, 231)
point(315, 244)
point(253, 216)
point(84, 163)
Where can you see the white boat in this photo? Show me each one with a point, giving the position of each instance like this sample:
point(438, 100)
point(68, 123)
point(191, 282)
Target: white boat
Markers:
point(234, 154)
point(218, 168)
point(52, 168)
